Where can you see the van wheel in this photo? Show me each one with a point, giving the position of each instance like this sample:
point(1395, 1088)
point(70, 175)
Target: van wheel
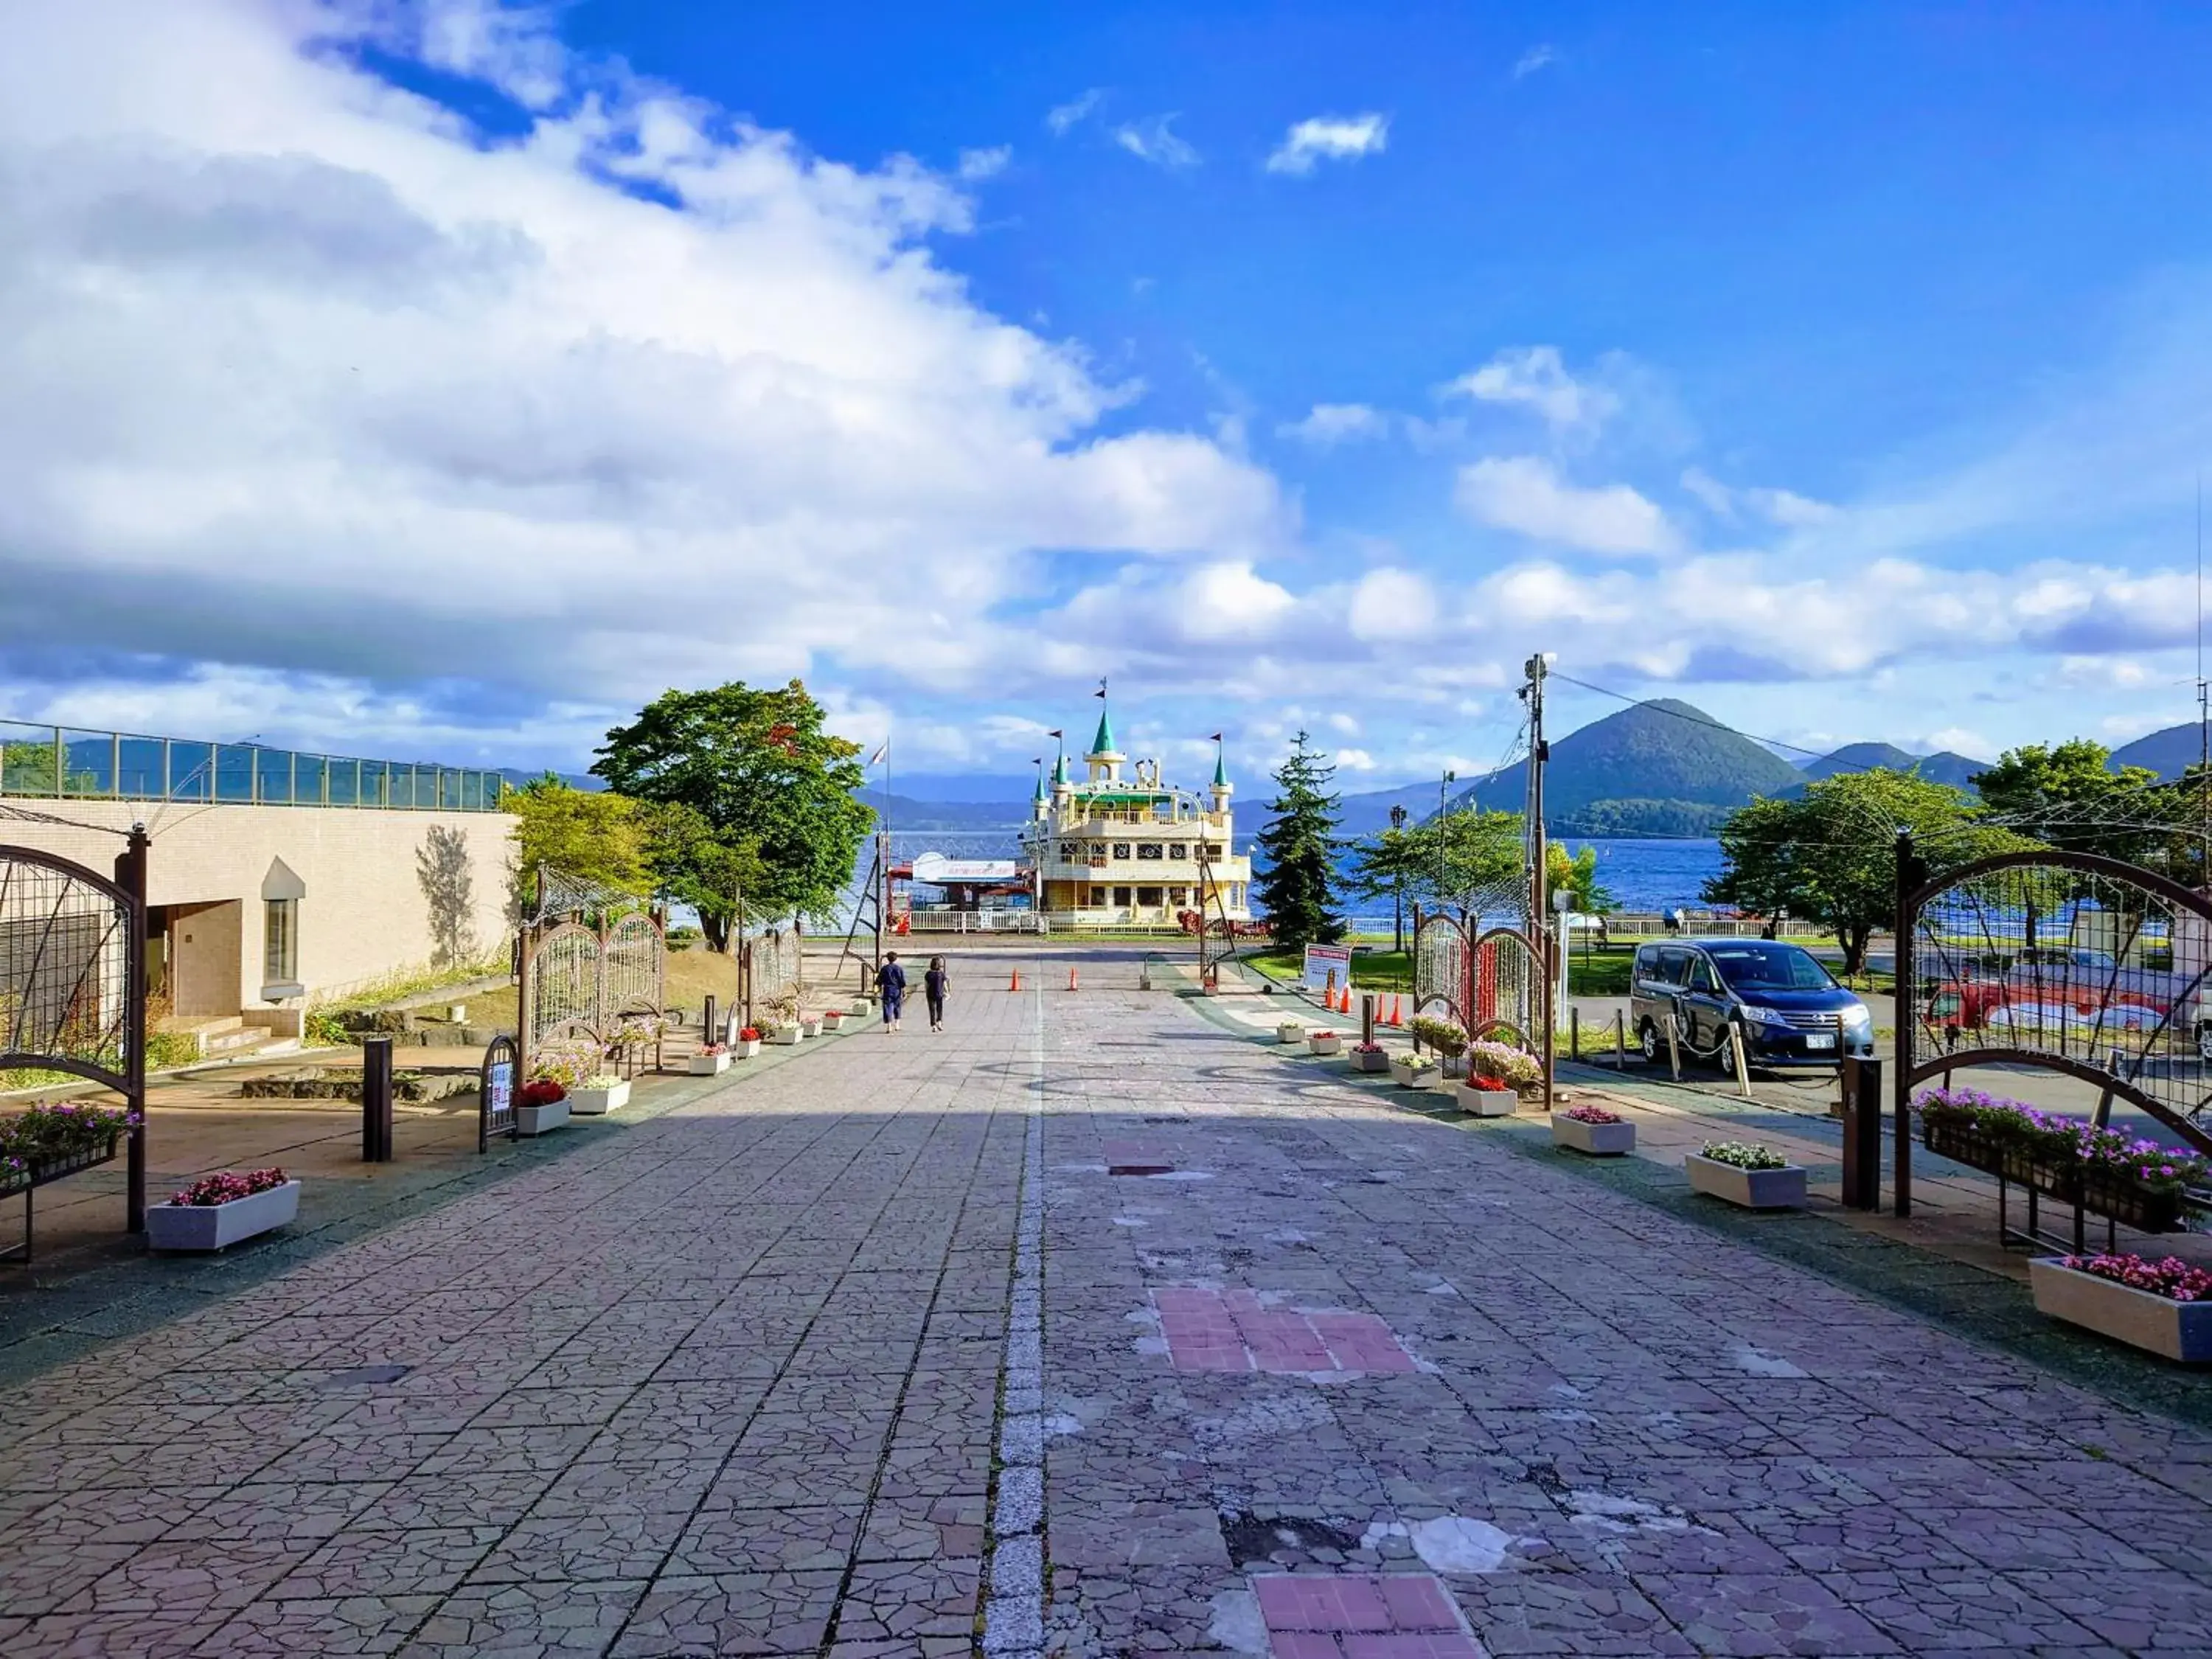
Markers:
point(1724, 1054)
point(1647, 1038)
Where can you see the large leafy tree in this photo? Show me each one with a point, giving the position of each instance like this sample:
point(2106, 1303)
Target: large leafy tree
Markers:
point(588, 834)
point(1461, 860)
point(2069, 795)
point(1829, 856)
point(1296, 852)
point(1575, 875)
point(772, 788)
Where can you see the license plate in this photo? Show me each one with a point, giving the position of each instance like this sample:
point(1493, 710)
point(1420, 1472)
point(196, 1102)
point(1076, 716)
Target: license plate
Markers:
point(1819, 1039)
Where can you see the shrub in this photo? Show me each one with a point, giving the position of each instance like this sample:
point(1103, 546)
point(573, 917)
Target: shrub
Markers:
point(60, 1129)
point(325, 1029)
point(166, 1050)
point(540, 1091)
point(750, 1033)
point(1743, 1154)
point(682, 939)
point(569, 1061)
point(211, 1190)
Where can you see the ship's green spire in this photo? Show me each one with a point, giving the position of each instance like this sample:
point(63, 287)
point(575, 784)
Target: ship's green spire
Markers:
point(1039, 795)
point(1060, 770)
point(1104, 742)
point(1220, 768)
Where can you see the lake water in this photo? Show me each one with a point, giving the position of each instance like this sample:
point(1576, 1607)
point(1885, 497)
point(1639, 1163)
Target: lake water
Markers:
point(1641, 875)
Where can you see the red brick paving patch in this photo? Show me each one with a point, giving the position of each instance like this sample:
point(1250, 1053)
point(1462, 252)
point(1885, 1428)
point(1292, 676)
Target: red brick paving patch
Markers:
point(1362, 1616)
point(1232, 1331)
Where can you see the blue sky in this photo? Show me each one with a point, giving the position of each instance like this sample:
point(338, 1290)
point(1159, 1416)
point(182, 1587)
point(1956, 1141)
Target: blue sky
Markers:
point(445, 378)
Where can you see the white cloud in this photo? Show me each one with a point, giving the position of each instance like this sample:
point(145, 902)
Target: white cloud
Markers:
point(283, 346)
point(1960, 741)
point(1061, 117)
point(1331, 138)
point(2103, 674)
point(976, 165)
point(1783, 508)
point(1153, 139)
point(1536, 378)
point(1328, 424)
point(1526, 495)
point(1354, 760)
point(1391, 604)
point(1534, 59)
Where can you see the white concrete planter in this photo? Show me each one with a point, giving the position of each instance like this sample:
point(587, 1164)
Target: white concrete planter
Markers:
point(1749, 1189)
point(1374, 1061)
point(2177, 1330)
point(709, 1065)
point(861, 1008)
point(1485, 1103)
point(747, 1047)
point(1318, 1044)
point(833, 1019)
point(1290, 1031)
point(592, 1102)
point(785, 1037)
point(1596, 1139)
point(810, 1028)
point(213, 1226)
point(1404, 1075)
point(541, 1120)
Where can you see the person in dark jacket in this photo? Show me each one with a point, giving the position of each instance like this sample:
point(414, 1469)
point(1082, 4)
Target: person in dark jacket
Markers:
point(890, 980)
point(933, 987)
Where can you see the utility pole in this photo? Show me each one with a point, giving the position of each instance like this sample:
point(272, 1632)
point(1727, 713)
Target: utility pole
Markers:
point(1538, 911)
point(1444, 786)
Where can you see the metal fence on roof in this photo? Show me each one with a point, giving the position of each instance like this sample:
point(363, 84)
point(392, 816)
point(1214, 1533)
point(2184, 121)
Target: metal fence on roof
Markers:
point(56, 763)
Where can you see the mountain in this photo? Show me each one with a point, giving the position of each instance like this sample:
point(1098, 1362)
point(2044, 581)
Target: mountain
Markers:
point(1368, 813)
point(1943, 767)
point(1861, 757)
point(957, 785)
point(1658, 768)
point(905, 812)
point(2168, 753)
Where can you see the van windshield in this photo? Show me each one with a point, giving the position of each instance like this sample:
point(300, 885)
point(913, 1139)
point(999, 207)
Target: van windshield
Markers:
point(1763, 966)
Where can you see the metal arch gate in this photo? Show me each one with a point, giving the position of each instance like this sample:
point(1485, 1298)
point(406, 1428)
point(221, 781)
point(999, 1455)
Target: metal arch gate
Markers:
point(583, 980)
point(1499, 984)
point(73, 994)
point(2069, 962)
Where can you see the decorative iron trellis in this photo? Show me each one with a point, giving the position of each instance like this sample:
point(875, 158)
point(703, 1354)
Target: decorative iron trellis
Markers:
point(1441, 956)
point(73, 989)
point(773, 967)
point(2070, 961)
point(587, 960)
point(1508, 992)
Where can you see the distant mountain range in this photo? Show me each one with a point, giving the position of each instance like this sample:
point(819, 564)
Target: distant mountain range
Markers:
point(2168, 753)
point(1943, 767)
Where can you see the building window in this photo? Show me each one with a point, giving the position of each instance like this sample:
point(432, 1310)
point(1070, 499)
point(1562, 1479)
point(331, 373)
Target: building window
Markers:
point(1176, 895)
point(1098, 855)
point(279, 942)
point(1121, 849)
point(1178, 851)
point(1150, 849)
point(1098, 896)
point(1148, 899)
point(1121, 896)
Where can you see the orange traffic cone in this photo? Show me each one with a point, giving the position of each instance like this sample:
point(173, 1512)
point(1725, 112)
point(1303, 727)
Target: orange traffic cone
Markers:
point(1071, 979)
point(1017, 985)
point(1393, 1021)
point(1344, 1005)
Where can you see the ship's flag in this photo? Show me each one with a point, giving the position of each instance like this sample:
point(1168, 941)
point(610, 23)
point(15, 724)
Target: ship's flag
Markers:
point(876, 759)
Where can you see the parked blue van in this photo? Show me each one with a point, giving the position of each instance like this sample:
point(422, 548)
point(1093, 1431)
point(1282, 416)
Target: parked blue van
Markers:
point(1788, 1005)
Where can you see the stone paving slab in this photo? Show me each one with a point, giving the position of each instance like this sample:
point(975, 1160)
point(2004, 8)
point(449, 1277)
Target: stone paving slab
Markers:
point(871, 1355)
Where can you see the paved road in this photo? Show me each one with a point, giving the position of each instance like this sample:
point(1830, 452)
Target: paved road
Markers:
point(850, 1358)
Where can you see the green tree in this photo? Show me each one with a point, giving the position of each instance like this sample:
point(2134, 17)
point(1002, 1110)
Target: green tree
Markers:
point(592, 835)
point(1829, 856)
point(1472, 857)
point(1296, 852)
point(1576, 874)
point(694, 865)
point(1386, 866)
point(774, 789)
point(2068, 795)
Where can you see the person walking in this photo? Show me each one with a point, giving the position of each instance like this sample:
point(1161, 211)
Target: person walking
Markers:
point(933, 987)
point(891, 980)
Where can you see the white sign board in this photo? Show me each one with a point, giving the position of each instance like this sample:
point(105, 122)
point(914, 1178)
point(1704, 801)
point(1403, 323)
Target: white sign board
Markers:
point(1323, 960)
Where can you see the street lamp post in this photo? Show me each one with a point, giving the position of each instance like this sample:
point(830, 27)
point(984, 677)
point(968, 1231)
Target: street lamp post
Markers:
point(1450, 778)
point(1398, 816)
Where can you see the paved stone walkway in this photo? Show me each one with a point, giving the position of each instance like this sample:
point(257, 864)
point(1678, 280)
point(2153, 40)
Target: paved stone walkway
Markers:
point(761, 1377)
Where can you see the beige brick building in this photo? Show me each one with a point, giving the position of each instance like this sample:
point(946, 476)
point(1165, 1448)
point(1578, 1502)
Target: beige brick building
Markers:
point(255, 909)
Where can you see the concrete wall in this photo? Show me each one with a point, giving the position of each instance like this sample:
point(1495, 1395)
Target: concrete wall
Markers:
point(364, 914)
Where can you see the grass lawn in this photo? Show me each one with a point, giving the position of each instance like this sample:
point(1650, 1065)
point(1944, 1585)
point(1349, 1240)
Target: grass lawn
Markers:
point(1371, 970)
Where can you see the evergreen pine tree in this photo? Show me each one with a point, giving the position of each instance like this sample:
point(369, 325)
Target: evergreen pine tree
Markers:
point(1298, 876)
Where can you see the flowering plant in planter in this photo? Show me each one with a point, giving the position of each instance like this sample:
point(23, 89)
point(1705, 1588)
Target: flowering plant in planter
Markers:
point(750, 1033)
point(1366, 1048)
point(1441, 1035)
point(715, 1049)
point(570, 1061)
point(603, 1080)
point(226, 1187)
point(1592, 1115)
point(540, 1091)
point(59, 1129)
point(2174, 1279)
point(1961, 1117)
point(1490, 1086)
point(1743, 1154)
point(1507, 1064)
